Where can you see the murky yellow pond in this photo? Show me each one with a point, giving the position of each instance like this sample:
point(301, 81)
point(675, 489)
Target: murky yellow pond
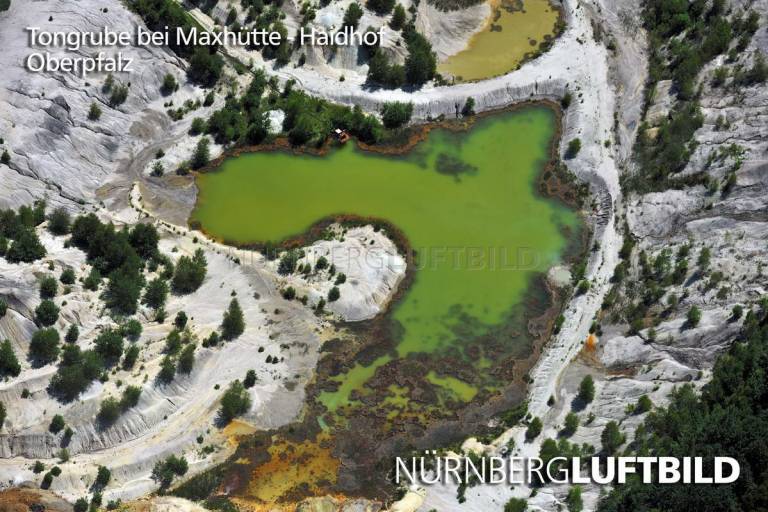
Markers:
point(514, 32)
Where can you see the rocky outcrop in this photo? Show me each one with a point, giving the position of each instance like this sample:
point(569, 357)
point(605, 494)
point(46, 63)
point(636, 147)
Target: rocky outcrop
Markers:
point(370, 263)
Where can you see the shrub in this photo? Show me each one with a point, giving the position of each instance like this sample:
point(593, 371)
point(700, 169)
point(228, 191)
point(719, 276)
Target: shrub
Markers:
point(333, 294)
point(287, 263)
point(231, 16)
point(44, 345)
point(380, 7)
point(571, 424)
point(705, 257)
point(573, 500)
point(3, 308)
point(118, 95)
point(516, 505)
point(340, 279)
point(130, 357)
point(48, 287)
point(197, 127)
point(321, 264)
point(109, 345)
point(81, 505)
point(109, 411)
point(132, 329)
point(57, 424)
point(352, 15)
point(2, 414)
point(130, 398)
point(167, 370)
point(396, 114)
point(180, 321)
point(289, 293)
point(26, 247)
point(611, 438)
point(94, 113)
point(72, 334)
point(574, 146)
point(93, 280)
point(187, 359)
point(250, 379)
point(59, 221)
point(565, 101)
point(212, 340)
point(205, 67)
point(67, 276)
point(534, 429)
point(644, 404)
point(234, 402)
point(165, 471)
point(694, 316)
point(103, 475)
point(173, 342)
point(169, 84)
point(158, 169)
point(469, 107)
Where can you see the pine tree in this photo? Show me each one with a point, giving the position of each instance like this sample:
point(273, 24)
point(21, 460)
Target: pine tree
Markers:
point(202, 154)
point(587, 389)
point(398, 18)
point(9, 364)
point(233, 324)
point(235, 402)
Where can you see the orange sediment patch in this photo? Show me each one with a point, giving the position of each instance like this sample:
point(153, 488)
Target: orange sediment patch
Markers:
point(306, 466)
point(237, 429)
point(591, 344)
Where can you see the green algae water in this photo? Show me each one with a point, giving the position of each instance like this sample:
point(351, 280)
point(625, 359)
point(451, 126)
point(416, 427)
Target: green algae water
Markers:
point(466, 201)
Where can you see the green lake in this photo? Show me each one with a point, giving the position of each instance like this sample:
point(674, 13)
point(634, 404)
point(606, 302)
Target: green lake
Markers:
point(467, 202)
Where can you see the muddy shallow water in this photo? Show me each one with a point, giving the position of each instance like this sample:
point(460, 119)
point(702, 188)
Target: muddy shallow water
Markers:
point(516, 31)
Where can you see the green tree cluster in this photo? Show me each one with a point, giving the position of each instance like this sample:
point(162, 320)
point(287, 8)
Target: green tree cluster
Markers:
point(190, 273)
point(396, 114)
point(729, 417)
point(234, 402)
point(19, 228)
point(205, 64)
point(76, 371)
